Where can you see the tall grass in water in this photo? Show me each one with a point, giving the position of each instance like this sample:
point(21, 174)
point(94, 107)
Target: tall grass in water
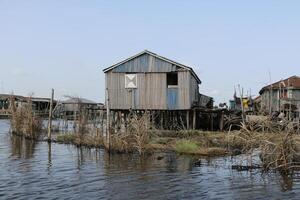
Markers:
point(84, 133)
point(279, 148)
point(23, 121)
point(137, 135)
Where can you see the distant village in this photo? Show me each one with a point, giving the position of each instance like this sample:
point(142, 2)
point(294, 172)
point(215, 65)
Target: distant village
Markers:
point(170, 91)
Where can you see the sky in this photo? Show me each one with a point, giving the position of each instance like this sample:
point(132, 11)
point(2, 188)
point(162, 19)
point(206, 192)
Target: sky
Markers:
point(65, 44)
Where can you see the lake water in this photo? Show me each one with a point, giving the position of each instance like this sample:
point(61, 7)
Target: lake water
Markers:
point(37, 170)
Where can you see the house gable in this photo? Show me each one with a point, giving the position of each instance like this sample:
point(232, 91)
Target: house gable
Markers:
point(147, 61)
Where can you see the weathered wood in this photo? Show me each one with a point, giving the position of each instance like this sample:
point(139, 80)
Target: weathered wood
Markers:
point(222, 121)
point(194, 119)
point(107, 121)
point(50, 116)
point(188, 120)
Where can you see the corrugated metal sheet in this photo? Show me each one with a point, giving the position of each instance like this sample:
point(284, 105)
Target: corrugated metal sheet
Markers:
point(145, 63)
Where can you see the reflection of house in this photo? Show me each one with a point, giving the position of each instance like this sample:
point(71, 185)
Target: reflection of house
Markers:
point(148, 81)
point(72, 106)
point(281, 96)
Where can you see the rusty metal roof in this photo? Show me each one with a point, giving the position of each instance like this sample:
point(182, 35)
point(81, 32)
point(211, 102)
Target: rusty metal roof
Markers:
point(291, 82)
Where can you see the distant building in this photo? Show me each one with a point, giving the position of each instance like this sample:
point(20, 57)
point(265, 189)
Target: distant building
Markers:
point(40, 106)
point(70, 107)
point(238, 104)
point(148, 81)
point(281, 96)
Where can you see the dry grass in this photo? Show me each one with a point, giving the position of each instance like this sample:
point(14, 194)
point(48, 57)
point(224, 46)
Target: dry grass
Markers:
point(24, 122)
point(137, 136)
point(279, 148)
point(76, 139)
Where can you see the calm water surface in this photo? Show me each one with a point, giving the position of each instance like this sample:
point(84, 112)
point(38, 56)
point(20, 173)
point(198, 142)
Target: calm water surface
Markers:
point(30, 170)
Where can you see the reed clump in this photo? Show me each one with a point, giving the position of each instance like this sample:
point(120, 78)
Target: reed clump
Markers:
point(24, 122)
point(137, 136)
point(84, 133)
point(279, 148)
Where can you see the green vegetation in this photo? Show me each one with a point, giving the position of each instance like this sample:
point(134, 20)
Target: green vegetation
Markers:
point(186, 146)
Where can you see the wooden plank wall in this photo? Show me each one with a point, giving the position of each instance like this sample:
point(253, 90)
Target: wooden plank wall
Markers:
point(151, 92)
point(184, 101)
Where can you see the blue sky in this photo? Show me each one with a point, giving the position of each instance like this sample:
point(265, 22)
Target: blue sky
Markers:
point(65, 44)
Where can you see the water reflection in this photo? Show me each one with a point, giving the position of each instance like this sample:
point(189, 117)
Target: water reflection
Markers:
point(43, 170)
point(49, 156)
point(21, 147)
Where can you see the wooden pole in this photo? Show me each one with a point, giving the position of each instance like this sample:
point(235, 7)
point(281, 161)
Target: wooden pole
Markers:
point(188, 120)
point(194, 119)
point(211, 122)
point(107, 121)
point(222, 121)
point(242, 103)
point(50, 116)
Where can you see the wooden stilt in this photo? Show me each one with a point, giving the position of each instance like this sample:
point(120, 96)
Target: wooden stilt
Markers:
point(211, 122)
point(194, 119)
point(188, 120)
point(222, 121)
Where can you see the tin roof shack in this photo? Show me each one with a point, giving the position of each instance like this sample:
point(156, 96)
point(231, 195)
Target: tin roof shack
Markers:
point(168, 90)
point(41, 105)
point(148, 81)
point(282, 96)
point(70, 107)
point(5, 103)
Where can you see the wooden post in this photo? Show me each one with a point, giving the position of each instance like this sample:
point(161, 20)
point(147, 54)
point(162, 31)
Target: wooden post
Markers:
point(107, 121)
point(50, 116)
point(211, 122)
point(222, 121)
point(161, 119)
point(188, 120)
point(194, 119)
point(242, 103)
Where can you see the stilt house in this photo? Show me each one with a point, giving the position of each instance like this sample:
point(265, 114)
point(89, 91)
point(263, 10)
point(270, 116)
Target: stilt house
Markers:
point(148, 81)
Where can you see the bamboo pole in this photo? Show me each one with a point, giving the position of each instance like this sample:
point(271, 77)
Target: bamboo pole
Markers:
point(50, 116)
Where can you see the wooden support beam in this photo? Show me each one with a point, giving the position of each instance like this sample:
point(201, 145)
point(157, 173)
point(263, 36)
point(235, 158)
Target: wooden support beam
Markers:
point(222, 121)
point(194, 119)
point(211, 122)
point(188, 120)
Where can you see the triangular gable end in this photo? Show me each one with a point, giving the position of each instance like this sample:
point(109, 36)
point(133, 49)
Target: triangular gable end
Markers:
point(147, 61)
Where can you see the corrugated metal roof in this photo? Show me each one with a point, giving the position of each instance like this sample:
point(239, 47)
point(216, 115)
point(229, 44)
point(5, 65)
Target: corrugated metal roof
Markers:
point(78, 100)
point(293, 82)
point(157, 56)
